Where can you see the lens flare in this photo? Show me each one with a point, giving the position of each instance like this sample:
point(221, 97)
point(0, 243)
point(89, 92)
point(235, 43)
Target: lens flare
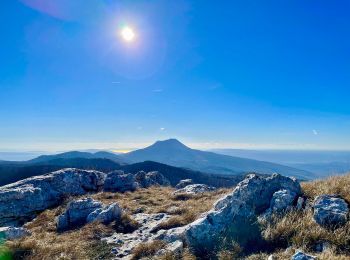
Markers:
point(128, 34)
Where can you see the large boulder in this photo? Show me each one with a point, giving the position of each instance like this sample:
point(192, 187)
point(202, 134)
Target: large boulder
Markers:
point(76, 213)
point(82, 211)
point(234, 217)
point(149, 179)
point(10, 233)
point(117, 181)
point(194, 189)
point(184, 183)
point(330, 210)
point(21, 201)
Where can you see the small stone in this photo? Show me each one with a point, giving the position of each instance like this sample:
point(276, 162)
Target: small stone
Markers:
point(300, 203)
point(184, 183)
point(302, 256)
point(194, 189)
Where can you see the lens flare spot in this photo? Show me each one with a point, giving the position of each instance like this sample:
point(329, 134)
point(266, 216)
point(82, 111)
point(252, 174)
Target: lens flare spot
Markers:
point(127, 34)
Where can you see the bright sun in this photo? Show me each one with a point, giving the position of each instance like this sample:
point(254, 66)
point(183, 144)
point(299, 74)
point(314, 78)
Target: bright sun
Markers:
point(128, 34)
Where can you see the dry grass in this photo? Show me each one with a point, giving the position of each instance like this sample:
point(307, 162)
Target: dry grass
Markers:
point(147, 249)
point(232, 251)
point(300, 230)
point(333, 185)
point(287, 254)
point(185, 255)
point(85, 242)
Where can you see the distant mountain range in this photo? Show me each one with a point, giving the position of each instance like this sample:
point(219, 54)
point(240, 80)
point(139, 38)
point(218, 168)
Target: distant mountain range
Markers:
point(169, 156)
point(173, 152)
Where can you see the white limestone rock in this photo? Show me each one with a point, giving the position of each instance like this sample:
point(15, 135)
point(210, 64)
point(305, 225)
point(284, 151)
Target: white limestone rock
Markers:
point(149, 179)
point(184, 183)
point(194, 189)
point(282, 200)
point(22, 200)
point(302, 256)
point(117, 181)
point(234, 216)
point(76, 213)
point(11, 233)
point(106, 214)
point(330, 211)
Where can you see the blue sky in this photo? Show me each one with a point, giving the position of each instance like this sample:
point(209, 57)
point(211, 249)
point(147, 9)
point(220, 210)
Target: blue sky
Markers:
point(240, 74)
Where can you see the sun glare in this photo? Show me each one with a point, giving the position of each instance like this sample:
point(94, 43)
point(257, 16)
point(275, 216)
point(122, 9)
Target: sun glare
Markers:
point(128, 34)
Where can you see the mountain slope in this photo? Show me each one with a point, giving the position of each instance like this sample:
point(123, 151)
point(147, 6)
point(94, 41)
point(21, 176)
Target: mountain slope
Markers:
point(173, 152)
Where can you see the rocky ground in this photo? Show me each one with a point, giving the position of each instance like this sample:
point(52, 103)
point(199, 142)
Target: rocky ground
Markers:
point(75, 214)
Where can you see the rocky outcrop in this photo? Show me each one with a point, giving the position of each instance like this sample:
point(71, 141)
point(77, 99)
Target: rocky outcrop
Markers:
point(149, 179)
point(10, 233)
point(80, 212)
point(234, 216)
point(194, 189)
point(184, 183)
point(77, 212)
point(118, 181)
point(302, 256)
point(330, 211)
point(21, 201)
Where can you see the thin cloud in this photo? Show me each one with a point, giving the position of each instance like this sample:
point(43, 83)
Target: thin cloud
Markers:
point(314, 132)
point(162, 129)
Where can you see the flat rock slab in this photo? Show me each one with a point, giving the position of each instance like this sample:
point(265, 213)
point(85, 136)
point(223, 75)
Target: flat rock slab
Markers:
point(125, 243)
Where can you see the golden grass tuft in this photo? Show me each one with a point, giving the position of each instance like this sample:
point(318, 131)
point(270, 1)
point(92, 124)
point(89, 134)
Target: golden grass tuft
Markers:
point(300, 230)
point(147, 249)
point(333, 185)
